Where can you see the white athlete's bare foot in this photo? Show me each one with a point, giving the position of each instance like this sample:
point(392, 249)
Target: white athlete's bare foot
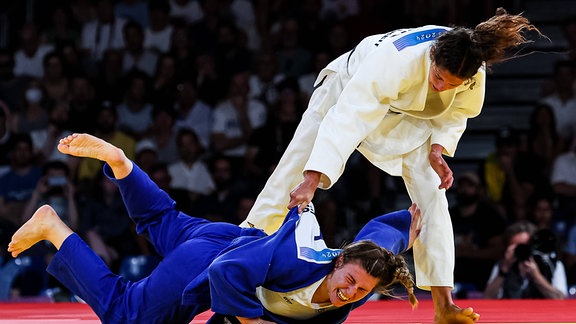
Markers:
point(456, 315)
point(45, 224)
point(86, 145)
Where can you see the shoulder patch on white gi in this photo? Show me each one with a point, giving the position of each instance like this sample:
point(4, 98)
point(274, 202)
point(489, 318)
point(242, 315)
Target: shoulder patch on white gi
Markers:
point(418, 37)
point(309, 242)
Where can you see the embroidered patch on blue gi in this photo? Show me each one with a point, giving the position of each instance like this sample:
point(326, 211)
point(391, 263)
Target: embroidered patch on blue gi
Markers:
point(417, 38)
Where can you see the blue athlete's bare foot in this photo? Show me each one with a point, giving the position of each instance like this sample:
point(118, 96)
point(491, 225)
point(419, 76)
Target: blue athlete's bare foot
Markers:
point(45, 224)
point(456, 315)
point(86, 145)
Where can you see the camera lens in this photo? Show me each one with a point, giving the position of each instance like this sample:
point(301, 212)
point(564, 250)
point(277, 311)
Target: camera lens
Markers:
point(523, 252)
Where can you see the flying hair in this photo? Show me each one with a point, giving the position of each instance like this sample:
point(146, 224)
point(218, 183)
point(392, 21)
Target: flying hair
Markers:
point(462, 51)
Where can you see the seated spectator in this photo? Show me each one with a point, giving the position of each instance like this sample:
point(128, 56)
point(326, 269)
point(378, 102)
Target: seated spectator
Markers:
point(543, 139)
point(103, 32)
point(222, 204)
point(563, 99)
point(136, 56)
point(162, 134)
point(158, 33)
point(56, 189)
point(33, 115)
point(45, 140)
point(189, 172)
point(235, 119)
point(192, 112)
point(511, 175)
point(530, 268)
point(55, 82)
point(5, 138)
point(267, 143)
point(563, 181)
point(135, 111)
point(478, 229)
point(30, 54)
point(20, 180)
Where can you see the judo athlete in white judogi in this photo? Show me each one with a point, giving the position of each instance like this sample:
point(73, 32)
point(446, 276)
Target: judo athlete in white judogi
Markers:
point(402, 99)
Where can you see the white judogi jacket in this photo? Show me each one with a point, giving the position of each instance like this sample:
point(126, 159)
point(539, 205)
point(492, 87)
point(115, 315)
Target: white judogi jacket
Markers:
point(376, 99)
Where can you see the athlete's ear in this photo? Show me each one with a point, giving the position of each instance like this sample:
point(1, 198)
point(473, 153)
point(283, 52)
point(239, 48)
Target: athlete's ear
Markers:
point(432, 51)
point(339, 262)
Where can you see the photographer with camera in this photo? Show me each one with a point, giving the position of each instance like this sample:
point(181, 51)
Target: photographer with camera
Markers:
point(530, 268)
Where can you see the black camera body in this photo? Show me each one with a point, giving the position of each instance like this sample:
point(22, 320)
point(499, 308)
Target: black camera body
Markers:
point(523, 252)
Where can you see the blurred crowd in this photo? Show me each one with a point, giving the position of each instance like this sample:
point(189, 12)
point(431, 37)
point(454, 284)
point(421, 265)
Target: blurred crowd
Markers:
point(204, 95)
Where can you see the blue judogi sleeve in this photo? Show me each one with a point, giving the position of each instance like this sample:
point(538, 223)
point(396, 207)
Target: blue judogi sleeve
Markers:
point(391, 231)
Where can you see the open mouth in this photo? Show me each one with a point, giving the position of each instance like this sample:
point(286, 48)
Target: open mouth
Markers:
point(341, 296)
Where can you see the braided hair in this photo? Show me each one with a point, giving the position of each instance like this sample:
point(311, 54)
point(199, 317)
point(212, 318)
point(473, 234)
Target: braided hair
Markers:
point(463, 50)
point(387, 267)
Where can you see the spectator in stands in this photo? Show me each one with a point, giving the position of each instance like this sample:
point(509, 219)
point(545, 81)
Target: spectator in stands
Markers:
point(563, 99)
point(63, 28)
point(478, 229)
point(136, 56)
point(158, 33)
point(103, 32)
point(189, 172)
point(185, 11)
point(146, 154)
point(29, 56)
point(568, 27)
point(84, 105)
point(19, 181)
point(192, 112)
point(231, 54)
point(11, 87)
point(56, 189)
point(6, 136)
point(511, 175)
point(530, 268)
point(46, 139)
point(33, 115)
point(563, 181)
point(163, 134)
point(135, 110)
point(211, 84)
point(267, 143)
point(109, 83)
point(55, 83)
point(222, 204)
point(235, 119)
point(293, 59)
point(265, 79)
point(164, 81)
point(183, 51)
point(543, 139)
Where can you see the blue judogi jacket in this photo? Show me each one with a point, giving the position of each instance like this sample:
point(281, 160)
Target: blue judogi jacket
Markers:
point(292, 258)
point(209, 265)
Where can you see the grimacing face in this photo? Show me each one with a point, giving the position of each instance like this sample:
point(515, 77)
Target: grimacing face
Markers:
point(441, 79)
point(348, 283)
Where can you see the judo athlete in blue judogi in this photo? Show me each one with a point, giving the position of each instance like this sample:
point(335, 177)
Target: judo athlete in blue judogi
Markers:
point(243, 274)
